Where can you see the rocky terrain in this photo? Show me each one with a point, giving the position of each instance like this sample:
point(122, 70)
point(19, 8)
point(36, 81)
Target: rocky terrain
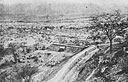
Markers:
point(67, 48)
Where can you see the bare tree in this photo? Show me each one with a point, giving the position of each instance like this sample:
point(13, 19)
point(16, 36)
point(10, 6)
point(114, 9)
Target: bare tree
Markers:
point(111, 24)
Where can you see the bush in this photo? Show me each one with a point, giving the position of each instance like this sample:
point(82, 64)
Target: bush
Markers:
point(26, 72)
point(18, 74)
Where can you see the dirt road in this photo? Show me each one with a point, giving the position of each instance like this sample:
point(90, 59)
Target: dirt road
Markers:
point(65, 71)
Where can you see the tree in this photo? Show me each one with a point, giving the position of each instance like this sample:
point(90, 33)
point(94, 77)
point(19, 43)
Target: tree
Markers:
point(13, 47)
point(111, 24)
point(95, 36)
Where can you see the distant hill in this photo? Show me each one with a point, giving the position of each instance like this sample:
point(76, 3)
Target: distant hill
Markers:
point(43, 10)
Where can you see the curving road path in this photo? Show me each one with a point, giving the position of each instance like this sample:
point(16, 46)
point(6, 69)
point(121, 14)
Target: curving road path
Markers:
point(65, 72)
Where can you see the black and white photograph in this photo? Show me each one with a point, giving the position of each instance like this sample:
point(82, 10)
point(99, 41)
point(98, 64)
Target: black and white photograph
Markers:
point(63, 40)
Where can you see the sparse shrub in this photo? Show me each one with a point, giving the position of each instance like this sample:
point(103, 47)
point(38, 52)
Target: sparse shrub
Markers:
point(3, 76)
point(18, 74)
point(26, 72)
point(1, 50)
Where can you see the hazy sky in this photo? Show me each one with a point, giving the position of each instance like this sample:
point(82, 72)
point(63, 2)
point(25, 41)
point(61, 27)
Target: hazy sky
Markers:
point(108, 2)
point(39, 1)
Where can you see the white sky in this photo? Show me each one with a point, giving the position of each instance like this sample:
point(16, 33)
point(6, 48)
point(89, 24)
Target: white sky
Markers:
point(119, 2)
